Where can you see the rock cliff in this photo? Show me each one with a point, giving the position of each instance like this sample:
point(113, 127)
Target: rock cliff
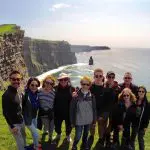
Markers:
point(11, 52)
point(43, 55)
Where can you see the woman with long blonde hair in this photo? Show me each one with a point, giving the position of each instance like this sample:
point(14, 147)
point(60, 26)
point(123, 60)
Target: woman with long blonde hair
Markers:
point(120, 116)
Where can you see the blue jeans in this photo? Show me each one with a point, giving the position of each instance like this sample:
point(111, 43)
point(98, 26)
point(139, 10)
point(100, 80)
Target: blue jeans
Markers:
point(34, 132)
point(78, 133)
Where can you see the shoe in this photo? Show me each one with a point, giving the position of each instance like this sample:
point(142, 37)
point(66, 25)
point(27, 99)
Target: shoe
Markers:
point(68, 139)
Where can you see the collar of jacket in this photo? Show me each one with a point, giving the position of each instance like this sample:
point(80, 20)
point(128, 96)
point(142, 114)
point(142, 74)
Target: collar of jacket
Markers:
point(11, 88)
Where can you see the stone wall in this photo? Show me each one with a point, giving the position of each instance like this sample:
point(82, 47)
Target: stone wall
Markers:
point(11, 54)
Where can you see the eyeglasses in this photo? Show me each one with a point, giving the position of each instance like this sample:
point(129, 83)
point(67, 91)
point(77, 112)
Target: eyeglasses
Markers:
point(127, 78)
point(98, 76)
point(15, 79)
point(34, 85)
point(85, 84)
point(126, 95)
point(63, 79)
point(141, 91)
point(111, 77)
point(49, 83)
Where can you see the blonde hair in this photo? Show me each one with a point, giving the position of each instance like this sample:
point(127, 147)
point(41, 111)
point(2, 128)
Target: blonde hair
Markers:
point(86, 78)
point(132, 96)
point(98, 70)
point(49, 77)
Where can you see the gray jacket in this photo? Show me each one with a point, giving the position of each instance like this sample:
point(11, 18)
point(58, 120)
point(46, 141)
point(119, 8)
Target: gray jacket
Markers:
point(80, 108)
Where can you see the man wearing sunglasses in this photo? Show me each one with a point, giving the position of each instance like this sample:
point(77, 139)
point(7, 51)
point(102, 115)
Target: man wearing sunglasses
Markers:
point(63, 97)
point(128, 83)
point(12, 110)
point(112, 87)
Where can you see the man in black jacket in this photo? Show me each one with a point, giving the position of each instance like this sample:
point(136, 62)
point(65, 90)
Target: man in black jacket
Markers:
point(128, 83)
point(12, 110)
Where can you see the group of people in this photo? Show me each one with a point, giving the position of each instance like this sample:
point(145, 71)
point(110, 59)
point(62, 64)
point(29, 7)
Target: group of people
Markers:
point(99, 101)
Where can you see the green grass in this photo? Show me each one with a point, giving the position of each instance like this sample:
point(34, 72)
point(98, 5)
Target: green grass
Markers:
point(7, 141)
point(7, 28)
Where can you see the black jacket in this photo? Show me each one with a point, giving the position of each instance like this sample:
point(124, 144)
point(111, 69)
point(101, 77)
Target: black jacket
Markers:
point(11, 105)
point(133, 88)
point(104, 98)
point(63, 97)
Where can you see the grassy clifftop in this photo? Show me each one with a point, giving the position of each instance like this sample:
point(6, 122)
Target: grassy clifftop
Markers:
point(7, 28)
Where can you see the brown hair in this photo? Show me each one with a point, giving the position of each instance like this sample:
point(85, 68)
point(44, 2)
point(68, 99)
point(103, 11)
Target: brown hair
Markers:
point(15, 72)
point(98, 70)
point(132, 96)
point(33, 79)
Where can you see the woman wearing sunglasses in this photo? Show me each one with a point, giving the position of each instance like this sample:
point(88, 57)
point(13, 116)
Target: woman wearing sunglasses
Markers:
point(141, 120)
point(30, 108)
point(83, 113)
point(120, 117)
point(46, 99)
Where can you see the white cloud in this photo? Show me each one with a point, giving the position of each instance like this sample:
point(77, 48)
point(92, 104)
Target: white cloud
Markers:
point(59, 6)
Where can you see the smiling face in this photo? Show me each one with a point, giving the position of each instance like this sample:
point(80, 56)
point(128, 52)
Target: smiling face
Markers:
point(85, 85)
point(110, 78)
point(48, 84)
point(33, 86)
point(141, 93)
point(127, 78)
point(126, 96)
point(15, 80)
point(63, 82)
point(98, 77)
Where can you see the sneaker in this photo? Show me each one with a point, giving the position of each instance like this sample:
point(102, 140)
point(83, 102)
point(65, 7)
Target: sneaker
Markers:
point(68, 139)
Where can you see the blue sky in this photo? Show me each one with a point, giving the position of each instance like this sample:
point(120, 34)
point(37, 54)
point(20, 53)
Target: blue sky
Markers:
point(116, 23)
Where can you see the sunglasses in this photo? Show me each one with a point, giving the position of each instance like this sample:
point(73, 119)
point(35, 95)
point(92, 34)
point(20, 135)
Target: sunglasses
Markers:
point(141, 91)
point(15, 79)
point(34, 85)
point(126, 95)
point(49, 83)
point(128, 78)
point(63, 80)
point(85, 84)
point(111, 77)
point(98, 76)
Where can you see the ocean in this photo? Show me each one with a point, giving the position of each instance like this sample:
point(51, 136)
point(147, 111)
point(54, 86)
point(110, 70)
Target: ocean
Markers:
point(134, 60)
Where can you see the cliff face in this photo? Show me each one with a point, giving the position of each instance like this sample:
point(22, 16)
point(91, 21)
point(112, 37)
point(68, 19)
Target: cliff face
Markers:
point(11, 54)
point(42, 55)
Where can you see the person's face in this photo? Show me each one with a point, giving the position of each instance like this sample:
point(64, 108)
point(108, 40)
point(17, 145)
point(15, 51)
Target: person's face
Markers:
point(110, 78)
point(141, 93)
point(48, 84)
point(15, 80)
point(85, 85)
point(127, 79)
point(98, 77)
point(126, 96)
point(33, 86)
point(64, 82)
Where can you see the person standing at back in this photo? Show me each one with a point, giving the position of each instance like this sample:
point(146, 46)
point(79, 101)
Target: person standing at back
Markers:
point(63, 97)
point(128, 83)
point(12, 109)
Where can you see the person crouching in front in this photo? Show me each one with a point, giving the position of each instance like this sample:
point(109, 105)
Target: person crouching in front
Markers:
point(82, 112)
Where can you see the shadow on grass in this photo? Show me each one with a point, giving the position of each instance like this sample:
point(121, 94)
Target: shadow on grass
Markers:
point(64, 145)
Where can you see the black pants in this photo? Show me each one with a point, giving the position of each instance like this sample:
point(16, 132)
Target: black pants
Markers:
point(140, 135)
point(58, 122)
